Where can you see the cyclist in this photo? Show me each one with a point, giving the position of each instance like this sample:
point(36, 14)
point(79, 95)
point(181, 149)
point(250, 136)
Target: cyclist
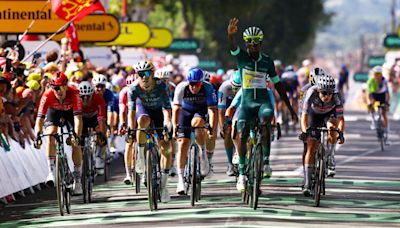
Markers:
point(322, 106)
point(61, 101)
point(164, 75)
point(378, 90)
point(148, 100)
point(343, 80)
point(226, 93)
point(94, 117)
point(291, 84)
point(193, 99)
point(255, 68)
point(304, 72)
point(123, 104)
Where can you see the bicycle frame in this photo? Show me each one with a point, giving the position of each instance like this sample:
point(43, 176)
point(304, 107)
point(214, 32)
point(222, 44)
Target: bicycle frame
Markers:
point(377, 118)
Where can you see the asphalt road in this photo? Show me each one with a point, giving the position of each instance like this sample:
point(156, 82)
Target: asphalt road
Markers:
point(364, 193)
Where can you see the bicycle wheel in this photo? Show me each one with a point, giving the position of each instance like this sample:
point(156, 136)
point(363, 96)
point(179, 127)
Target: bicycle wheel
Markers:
point(156, 178)
point(250, 180)
point(149, 178)
point(320, 174)
point(91, 175)
point(258, 173)
point(193, 173)
point(105, 157)
point(60, 184)
point(85, 175)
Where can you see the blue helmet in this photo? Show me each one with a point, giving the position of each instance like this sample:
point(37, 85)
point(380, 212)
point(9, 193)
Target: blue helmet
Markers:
point(195, 75)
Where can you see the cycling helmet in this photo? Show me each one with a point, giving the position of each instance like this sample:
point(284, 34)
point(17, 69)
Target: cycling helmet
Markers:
point(377, 69)
point(315, 73)
point(59, 79)
point(33, 85)
point(289, 68)
point(99, 79)
point(162, 74)
point(253, 32)
point(207, 76)
point(86, 88)
point(119, 81)
point(216, 79)
point(277, 63)
point(144, 65)
point(236, 80)
point(326, 83)
point(34, 76)
point(109, 86)
point(195, 75)
point(220, 71)
point(130, 79)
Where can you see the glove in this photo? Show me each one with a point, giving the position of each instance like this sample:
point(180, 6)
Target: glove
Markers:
point(38, 141)
point(122, 129)
point(303, 136)
point(168, 125)
point(131, 136)
point(341, 138)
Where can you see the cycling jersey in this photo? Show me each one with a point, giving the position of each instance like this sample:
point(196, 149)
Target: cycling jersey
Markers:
point(115, 103)
point(123, 99)
point(225, 95)
point(377, 88)
point(72, 101)
point(192, 102)
point(290, 82)
point(312, 103)
point(96, 107)
point(154, 99)
point(171, 90)
point(303, 91)
point(108, 98)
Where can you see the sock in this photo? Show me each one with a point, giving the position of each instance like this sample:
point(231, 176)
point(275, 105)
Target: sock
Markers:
point(308, 172)
point(51, 162)
point(229, 154)
point(141, 151)
point(266, 151)
point(242, 160)
point(180, 174)
point(210, 154)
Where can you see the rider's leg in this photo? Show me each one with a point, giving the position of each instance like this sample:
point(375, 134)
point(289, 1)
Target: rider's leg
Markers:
point(51, 152)
point(143, 122)
point(183, 147)
point(265, 115)
point(165, 166)
point(309, 165)
point(229, 149)
point(128, 161)
point(201, 141)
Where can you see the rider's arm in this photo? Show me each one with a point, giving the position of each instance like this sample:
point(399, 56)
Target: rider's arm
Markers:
point(131, 108)
point(231, 36)
point(123, 99)
point(212, 111)
point(304, 122)
point(212, 106)
point(101, 116)
point(177, 103)
point(77, 110)
point(282, 94)
point(78, 125)
point(175, 114)
point(222, 96)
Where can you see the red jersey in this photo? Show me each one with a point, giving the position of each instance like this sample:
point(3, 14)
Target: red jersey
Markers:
point(123, 99)
point(97, 106)
point(72, 101)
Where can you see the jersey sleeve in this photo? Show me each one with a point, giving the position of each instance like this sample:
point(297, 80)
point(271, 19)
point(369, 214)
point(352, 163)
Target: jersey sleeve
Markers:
point(77, 103)
point(307, 99)
point(237, 99)
point(102, 108)
point(222, 96)
point(43, 105)
point(166, 104)
point(123, 100)
point(179, 92)
point(211, 96)
point(271, 71)
point(339, 109)
point(132, 98)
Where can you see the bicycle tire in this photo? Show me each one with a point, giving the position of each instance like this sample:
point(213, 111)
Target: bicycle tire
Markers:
point(149, 178)
point(156, 177)
point(193, 174)
point(258, 170)
point(92, 171)
point(67, 195)
point(250, 180)
point(320, 174)
point(105, 165)
point(85, 175)
point(59, 185)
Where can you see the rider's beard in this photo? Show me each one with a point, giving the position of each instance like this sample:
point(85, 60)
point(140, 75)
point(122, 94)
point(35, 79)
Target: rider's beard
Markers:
point(148, 85)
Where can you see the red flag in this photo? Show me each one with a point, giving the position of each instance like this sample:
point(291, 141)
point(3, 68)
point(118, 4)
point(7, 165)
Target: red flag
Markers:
point(72, 34)
point(75, 10)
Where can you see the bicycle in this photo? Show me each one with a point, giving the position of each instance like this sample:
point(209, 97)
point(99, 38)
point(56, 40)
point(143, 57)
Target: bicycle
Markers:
point(88, 167)
point(64, 177)
point(192, 175)
point(255, 162)
point(321, 164)
point(152, 169)
point(377, 120)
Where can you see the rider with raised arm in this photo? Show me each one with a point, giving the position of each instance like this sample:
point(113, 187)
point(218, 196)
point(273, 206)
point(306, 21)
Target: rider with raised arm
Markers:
point(148, 101)
point(255, 68)
point(61, 101)
point(193, 100)
point(322, 106)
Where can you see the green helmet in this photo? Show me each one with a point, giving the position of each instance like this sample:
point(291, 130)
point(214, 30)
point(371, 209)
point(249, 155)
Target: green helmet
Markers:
point(253, 33)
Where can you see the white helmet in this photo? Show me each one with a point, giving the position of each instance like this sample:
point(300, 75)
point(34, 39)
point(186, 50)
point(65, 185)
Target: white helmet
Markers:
point(326, 83)
point(144, 65)
point(86, 88)
point(99, 79)
point(162, 74)
point(315, 73)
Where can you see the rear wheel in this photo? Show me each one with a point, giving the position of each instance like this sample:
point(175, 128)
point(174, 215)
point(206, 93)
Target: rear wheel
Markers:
point(193, 174)
point(60, 188)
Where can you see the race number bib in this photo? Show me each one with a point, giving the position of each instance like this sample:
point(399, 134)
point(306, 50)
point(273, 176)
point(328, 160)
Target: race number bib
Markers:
point(254, 79)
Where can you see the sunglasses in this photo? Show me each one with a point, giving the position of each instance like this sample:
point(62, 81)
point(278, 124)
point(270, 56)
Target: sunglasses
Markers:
point(146, 73)
point(197, 84)
point(255, 40)
point(56, 88)
point(324, 93)
point(85, 96)
point(100, 86)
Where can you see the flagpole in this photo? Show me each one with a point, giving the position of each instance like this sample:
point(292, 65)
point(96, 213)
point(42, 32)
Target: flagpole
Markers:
point(47, 40)
point(32, 23)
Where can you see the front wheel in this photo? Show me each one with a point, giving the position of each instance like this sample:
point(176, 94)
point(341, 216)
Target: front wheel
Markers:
point(193, 174)
point(258, 173)
point(60, 188)
point(319, 175)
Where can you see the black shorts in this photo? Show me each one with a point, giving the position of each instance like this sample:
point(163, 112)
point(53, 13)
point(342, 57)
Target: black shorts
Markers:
point(185, 120)
point(156, 116)
point(54, 116)
point(381, 97)
point(319, 120)
point(89, 122)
